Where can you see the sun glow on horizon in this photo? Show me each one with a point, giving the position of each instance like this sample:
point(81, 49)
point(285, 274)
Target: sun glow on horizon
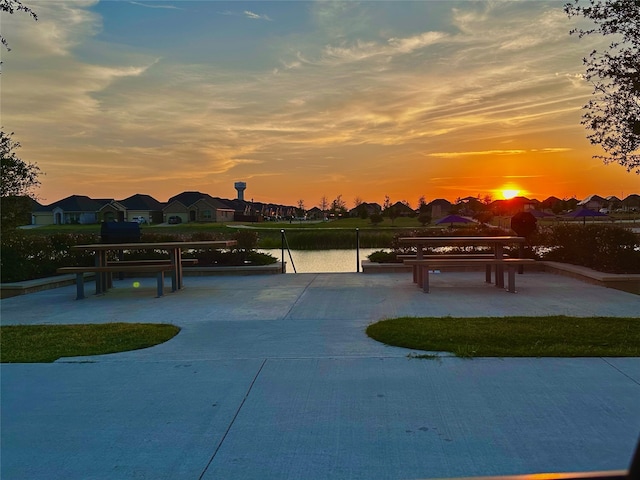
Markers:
point(509, 193)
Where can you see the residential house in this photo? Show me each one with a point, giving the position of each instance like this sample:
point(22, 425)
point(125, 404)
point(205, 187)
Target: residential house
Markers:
point(613, 203)
point(551, 204)
point(315, 213)
point(631, 203)
point(402, 210)
point(468, 206)
point(368, 208)
point(439, 208)
point(143, 206)
point(593, 202)
point(513, 205)
point(197, 207)
point(78, 209)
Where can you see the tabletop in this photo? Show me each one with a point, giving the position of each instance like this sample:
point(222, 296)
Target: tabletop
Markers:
point(462, 240)
point(159, 245)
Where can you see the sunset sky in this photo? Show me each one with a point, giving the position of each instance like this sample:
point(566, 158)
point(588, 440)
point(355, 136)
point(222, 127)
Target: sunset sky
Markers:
point(441, 99)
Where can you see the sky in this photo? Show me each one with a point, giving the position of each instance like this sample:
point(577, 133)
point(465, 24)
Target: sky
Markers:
point(303, 100)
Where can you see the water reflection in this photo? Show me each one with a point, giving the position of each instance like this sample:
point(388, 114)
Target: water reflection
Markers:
point(321, 261)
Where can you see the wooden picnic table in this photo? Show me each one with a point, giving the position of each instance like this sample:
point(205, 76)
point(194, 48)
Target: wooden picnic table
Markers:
point(175, 250)
point(497, 243)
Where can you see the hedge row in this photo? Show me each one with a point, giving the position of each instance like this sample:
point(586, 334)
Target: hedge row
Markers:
point(26, 256)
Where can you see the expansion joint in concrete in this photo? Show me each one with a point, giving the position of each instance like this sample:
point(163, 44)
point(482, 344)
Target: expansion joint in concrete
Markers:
point(233, 420)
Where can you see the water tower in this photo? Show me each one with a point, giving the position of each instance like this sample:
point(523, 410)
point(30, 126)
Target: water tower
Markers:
point(240, 187)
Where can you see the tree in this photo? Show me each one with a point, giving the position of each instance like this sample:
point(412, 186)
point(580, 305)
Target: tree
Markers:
point(422, 205)
point(387, 202)
point(393, 213)
point(376, 218)
point(324, 204)
point(338, 206)
point(613, 113)
point(11, 6)
point(301, 209)
point(424, 218)
point(19, 178)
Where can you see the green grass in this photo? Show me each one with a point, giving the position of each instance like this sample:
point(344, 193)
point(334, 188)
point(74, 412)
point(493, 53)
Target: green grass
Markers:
point(47, 343)
point(553, 336)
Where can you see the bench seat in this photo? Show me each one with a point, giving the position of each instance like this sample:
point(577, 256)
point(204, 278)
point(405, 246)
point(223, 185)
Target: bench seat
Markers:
point(185, 262)
point(159, 269)
point(458, 256)
point(452, 256)
point(421, 268)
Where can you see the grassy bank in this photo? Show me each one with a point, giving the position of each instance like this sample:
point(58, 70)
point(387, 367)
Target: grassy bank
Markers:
point(553, 336)
point(47, 343)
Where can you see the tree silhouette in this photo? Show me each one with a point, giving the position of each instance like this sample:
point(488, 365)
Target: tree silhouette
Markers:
point(613, 113)
point(11, 6)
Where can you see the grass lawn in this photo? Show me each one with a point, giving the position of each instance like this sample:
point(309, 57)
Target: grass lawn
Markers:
point(553, 336)
point(47, 343)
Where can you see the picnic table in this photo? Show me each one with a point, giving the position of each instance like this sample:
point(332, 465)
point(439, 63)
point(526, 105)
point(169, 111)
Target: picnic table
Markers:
point(422, 263)
point(173, 264)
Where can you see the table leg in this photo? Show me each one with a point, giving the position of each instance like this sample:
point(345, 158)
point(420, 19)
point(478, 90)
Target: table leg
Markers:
point(175, 273)
point(425, 279)
point(521, 255)
point(80, 286)
point(102, 278)
point(512, 279)
point(499, 268)
point(179, 265)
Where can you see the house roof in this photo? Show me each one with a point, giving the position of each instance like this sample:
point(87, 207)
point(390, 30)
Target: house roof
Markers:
point(439, 201)
point(592, 198)
point(76, 203)
point(632, 199)
point(189, 198)
point(399, 206)
point(141, 201)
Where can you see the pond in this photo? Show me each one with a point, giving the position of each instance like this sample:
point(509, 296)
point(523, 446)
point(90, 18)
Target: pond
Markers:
point(321, 261)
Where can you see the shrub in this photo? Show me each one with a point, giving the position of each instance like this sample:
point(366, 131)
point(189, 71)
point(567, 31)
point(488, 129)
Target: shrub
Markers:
point(376, 218)
point(247, 239)
point(600, 247)
point(27, 255)
point(424, 218)
point(383, 257)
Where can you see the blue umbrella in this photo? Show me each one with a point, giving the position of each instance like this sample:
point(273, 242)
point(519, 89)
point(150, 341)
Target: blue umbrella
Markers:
point(454, 219)
point(584, 213)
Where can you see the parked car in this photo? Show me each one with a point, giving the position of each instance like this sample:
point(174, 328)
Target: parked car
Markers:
point(139, 219)
point(174, 219)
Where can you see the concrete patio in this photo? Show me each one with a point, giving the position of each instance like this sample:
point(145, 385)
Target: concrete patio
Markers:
point(273, 377)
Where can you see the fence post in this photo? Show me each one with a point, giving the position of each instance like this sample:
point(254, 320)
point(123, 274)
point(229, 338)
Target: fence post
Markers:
point(357, 250)
point(282, 249)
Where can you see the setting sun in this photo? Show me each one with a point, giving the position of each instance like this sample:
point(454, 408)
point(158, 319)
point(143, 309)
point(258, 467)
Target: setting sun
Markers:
point(509, 193)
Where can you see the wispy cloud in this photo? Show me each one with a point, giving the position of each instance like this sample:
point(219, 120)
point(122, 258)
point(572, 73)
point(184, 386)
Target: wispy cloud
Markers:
point(315, 104)
point(256, 16)
point(246, 14)
point(474, 154)
point(156, 5)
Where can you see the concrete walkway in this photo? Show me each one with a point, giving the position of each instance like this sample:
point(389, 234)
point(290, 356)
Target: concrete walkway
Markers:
point(273, 377)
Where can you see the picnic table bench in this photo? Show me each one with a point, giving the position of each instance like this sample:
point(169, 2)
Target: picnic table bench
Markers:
point(174, 263)
point(421, 268)
point(159, 269)
point(454, 256)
